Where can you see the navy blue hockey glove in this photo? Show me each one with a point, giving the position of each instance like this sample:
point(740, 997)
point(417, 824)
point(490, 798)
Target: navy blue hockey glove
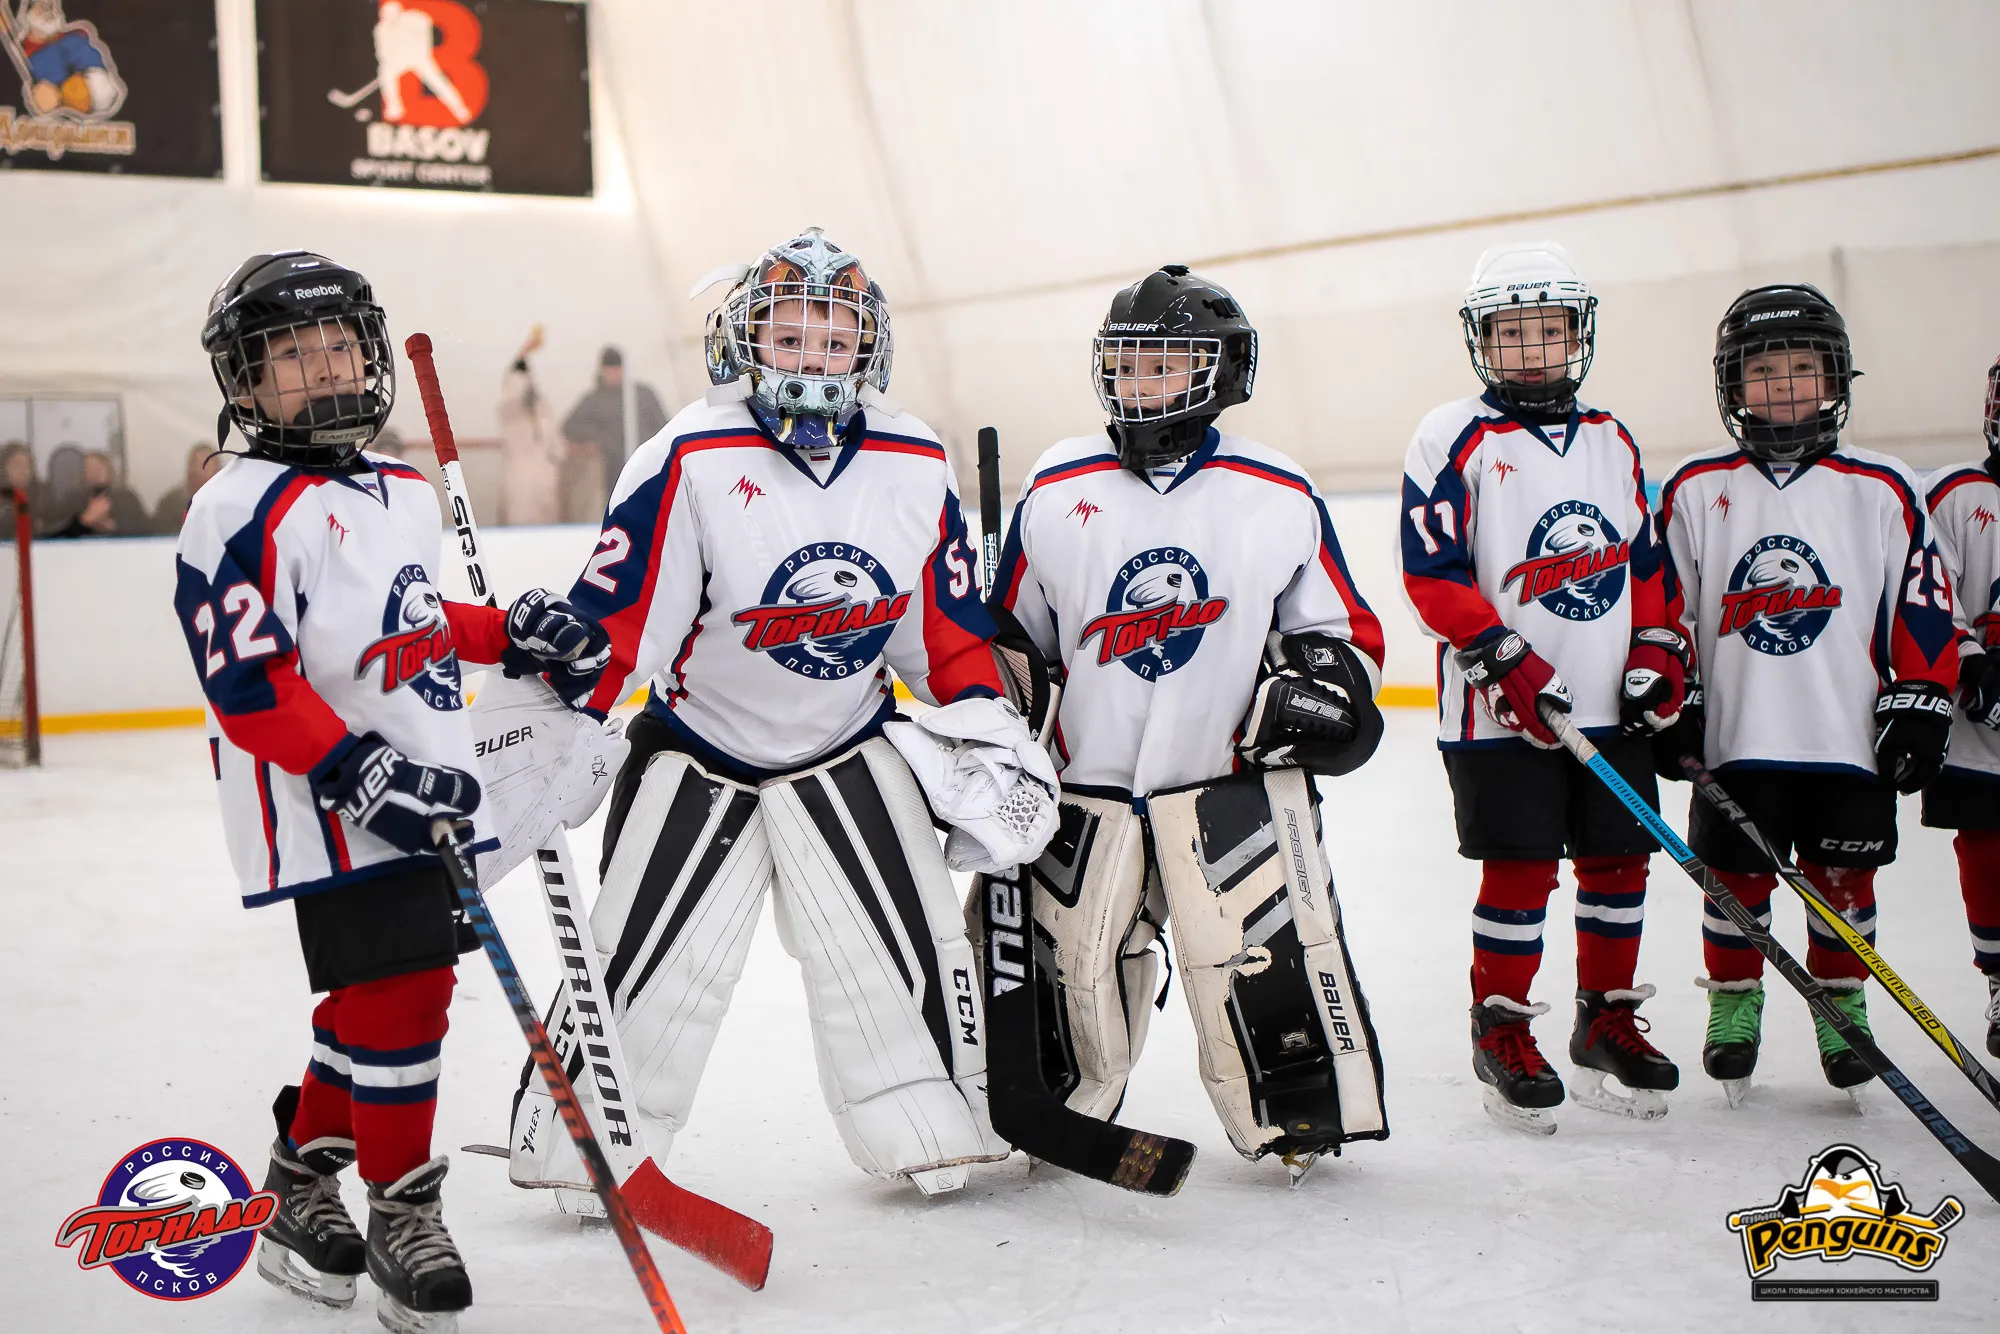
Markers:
point(1684, 736)
point(1912, 732)
point(1314, 709)
point(375, 787)
point(1655, 686)
point(1979, 685)
point(547, 635)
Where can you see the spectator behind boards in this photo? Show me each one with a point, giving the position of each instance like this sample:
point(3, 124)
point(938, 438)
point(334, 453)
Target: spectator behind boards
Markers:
point(202, 462)
point(595, 430)
point(531, 449)
point(108, 507)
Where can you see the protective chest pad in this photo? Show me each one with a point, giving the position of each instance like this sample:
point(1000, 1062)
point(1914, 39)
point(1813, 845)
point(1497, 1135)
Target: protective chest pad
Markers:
point(1287, 1050)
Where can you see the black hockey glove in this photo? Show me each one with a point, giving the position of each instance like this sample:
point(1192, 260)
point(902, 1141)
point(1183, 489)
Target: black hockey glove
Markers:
point(1314, 710)
point(547, 635)
point(1655, 686)
point(1912, 731)
point(375, 787)
point(1979, 685)
point(1683, 736)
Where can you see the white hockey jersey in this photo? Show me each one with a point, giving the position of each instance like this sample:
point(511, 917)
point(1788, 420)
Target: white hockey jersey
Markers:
point(1541, 528)
point(765, 592)
point(311, 614)
point(1805, 590)
point(1964, 505)
point(1159, 602)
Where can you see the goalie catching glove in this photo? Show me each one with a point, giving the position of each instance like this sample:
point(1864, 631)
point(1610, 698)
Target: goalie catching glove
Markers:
point(1514, 683)
point(986, 777)
point(1315, 709)
point(543, 766)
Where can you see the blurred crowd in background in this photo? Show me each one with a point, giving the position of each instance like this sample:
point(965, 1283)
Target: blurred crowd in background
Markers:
point(539, 471)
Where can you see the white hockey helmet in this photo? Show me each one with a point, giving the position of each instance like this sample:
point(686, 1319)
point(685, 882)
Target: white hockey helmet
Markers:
point(1532, 273)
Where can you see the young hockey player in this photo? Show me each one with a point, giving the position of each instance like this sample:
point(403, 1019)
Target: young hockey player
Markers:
point(765, 560)
point(1528, 551)
point(1822, 624)
point(339, 736)
point(1964, 506)
point(1217, 652)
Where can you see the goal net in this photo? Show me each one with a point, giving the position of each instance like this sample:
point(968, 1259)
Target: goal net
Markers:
point(20, 723)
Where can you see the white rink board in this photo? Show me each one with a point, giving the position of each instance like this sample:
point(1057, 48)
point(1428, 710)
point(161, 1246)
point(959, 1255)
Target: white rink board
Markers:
point(158, 1007)
point(109, 641)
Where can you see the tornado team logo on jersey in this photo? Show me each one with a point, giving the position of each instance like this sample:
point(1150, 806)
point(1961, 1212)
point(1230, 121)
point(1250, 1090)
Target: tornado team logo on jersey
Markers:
point(175, 1219)
point(415, 649)
point(1576, 563)
point(1154, 619)
point(1779, 597)
point(828, 610)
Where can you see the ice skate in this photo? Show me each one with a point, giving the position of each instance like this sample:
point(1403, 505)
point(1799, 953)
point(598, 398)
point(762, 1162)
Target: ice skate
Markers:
point(1993, 1014)
point(1297, 1164)
point(311, 1246)
point(1609, 1040)
point(941, 1180)
point(1735, 1031)
point(1520, 1085)
point(411, 1257)
point(1844, 1069)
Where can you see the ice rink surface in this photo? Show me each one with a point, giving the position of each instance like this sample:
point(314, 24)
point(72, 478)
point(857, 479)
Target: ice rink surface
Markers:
point(143, 1002)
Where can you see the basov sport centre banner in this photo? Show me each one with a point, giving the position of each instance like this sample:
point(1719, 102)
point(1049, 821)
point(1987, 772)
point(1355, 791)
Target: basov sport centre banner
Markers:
point(426, 94)
point(110, 85)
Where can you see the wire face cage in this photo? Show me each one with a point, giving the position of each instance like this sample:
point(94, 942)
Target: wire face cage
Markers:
point(315, 390)
point(812, 345)
point(1151, 379)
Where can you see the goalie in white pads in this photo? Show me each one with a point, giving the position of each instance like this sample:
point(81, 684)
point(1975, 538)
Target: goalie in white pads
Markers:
point(764, 561)
point(1216, 649)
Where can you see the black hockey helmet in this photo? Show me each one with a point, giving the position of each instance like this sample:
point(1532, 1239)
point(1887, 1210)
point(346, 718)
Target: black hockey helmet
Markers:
point(1166, 316)
point(1993, 411)
point(301, 353)
point(1781, 318)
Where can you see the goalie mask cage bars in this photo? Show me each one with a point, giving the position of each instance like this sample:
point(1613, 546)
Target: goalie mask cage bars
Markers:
point(20, 714)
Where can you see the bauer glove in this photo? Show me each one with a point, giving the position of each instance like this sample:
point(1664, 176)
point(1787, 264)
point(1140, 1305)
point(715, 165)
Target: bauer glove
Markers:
point(1655, 684)
point(1314, 709)
point(375, 787)
point(1979, 684)
point(1912, 732)
point(547, 635)
point(1514, 683)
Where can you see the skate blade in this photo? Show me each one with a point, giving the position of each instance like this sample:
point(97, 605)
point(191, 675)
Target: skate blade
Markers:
point(1533, 1120)
point(582, 1205)
point(941, 1180)
point(1736, 1090)
point(1589, 1088)
point(1854, 1096)
point(282, 1268)
point(400, 1319)
point(1297, 1165)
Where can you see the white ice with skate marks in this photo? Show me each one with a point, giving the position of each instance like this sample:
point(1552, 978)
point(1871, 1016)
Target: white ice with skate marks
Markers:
point(150, 1004)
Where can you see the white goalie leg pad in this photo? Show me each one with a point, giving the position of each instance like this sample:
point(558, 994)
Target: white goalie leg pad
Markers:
point(866, 905)
point(1286, 1049)
point(1094, 944)
point(672, 925)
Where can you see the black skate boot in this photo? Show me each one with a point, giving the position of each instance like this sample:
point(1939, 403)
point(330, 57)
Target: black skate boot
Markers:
point(310, 1246)
point(1609, 1040)
point(1843, 1068)
point(412, 1257)
point(1520, 1085)
point(1735, 1032)
point(1993, 1014)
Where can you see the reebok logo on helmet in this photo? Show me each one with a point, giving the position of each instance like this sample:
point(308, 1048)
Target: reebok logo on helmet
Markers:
point(325, 289)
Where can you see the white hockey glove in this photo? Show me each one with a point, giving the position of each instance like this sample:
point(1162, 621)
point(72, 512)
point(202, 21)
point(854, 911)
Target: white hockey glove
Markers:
point(986, 778)
point(543, 766)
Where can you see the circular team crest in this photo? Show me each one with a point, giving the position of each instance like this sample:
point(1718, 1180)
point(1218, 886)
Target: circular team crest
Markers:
point(1154, 619)
point(828, 611)
point(1779, 597)
point(176, 1219)
point(1575, 565)
point(415, 649)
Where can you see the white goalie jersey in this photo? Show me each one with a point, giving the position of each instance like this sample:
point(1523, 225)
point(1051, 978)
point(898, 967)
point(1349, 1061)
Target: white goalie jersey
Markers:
point(1964, 505)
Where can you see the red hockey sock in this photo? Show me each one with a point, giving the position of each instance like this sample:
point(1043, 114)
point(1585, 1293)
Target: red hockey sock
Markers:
point(1727, 955)
point(323, 1101)
point(1851, 891)
point(1507, 927)
point(393, 1030)
point(1610, 914)
point(1979, 880)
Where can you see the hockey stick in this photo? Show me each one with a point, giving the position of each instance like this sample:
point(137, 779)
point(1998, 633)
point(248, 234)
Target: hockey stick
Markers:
point(738, 1245)
point(1024, 1112)
point(1979, 1164)
point(1711, 790)
point(458, 866)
